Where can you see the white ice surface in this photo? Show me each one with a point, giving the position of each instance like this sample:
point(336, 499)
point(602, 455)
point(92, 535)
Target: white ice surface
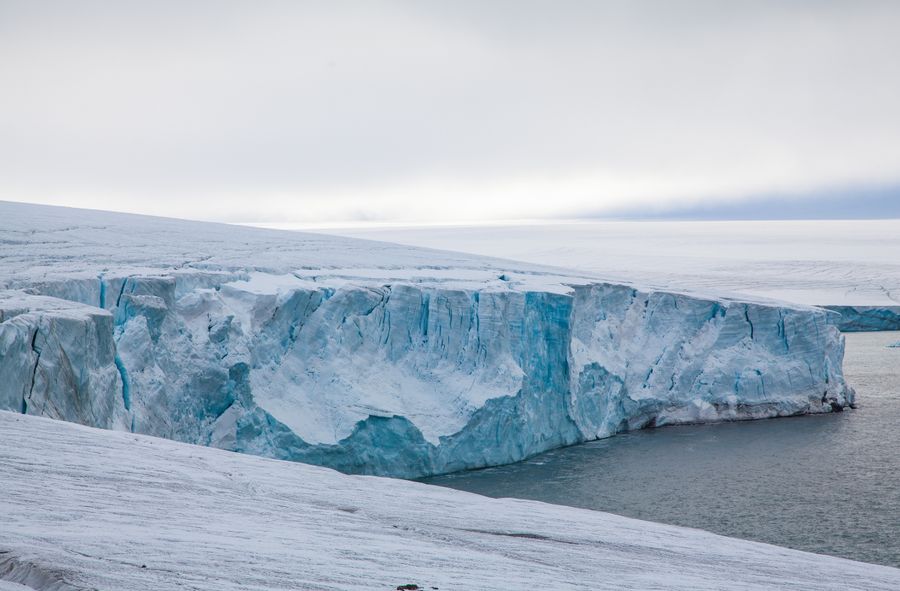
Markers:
point(821, 262)
point(87, 509)
point(45, 244)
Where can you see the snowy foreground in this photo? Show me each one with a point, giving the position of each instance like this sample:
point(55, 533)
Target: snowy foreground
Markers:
point(373, 357)
point(852, 265)
point(82, 508)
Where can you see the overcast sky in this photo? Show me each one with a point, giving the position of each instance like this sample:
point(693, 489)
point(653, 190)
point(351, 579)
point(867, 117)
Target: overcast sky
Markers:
point(444, 111)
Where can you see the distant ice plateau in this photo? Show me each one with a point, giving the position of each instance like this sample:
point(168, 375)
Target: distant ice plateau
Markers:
point(850, 266)
point(372, 357)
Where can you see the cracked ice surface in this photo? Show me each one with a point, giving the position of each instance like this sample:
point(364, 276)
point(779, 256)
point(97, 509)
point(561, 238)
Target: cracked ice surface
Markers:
point(123, 511)
point(373, 357)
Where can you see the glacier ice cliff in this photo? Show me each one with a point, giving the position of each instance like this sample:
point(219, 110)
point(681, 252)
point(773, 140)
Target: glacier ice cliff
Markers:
point(57, 360)
point(370, 357)
point(867, 318)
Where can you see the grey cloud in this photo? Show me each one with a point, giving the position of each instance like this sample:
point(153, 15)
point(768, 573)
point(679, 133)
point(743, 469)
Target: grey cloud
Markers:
point(303, 109)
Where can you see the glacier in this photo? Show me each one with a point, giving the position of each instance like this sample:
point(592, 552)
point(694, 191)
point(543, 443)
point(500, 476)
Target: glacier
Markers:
point(850, 266)
point(87, 509)
point(370, 357)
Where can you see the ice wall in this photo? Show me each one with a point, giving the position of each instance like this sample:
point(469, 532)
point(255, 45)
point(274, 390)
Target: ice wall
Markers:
point(57, 359)
point(403, 378)
point(867, 318)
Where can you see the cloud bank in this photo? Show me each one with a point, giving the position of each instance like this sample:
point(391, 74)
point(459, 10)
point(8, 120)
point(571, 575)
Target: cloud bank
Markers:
point(443, 111)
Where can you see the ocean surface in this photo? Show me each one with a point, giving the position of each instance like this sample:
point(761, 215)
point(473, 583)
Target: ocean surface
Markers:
point(828, 484)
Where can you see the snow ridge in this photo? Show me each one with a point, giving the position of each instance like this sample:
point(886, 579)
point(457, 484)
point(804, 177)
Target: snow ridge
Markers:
point(235, 522)
point(21, 574)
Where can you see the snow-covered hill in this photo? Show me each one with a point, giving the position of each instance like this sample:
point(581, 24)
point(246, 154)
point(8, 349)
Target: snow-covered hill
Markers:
point(87, 509)
point(372, 357)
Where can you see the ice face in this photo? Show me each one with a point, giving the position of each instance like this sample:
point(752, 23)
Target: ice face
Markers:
point(397, 370)
point(867, 318)
point(409, 381)
point(57, 359)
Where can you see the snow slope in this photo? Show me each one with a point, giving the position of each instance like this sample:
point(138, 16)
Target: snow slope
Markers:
point(373, 357)
point(88, 509)
point(851, 265)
